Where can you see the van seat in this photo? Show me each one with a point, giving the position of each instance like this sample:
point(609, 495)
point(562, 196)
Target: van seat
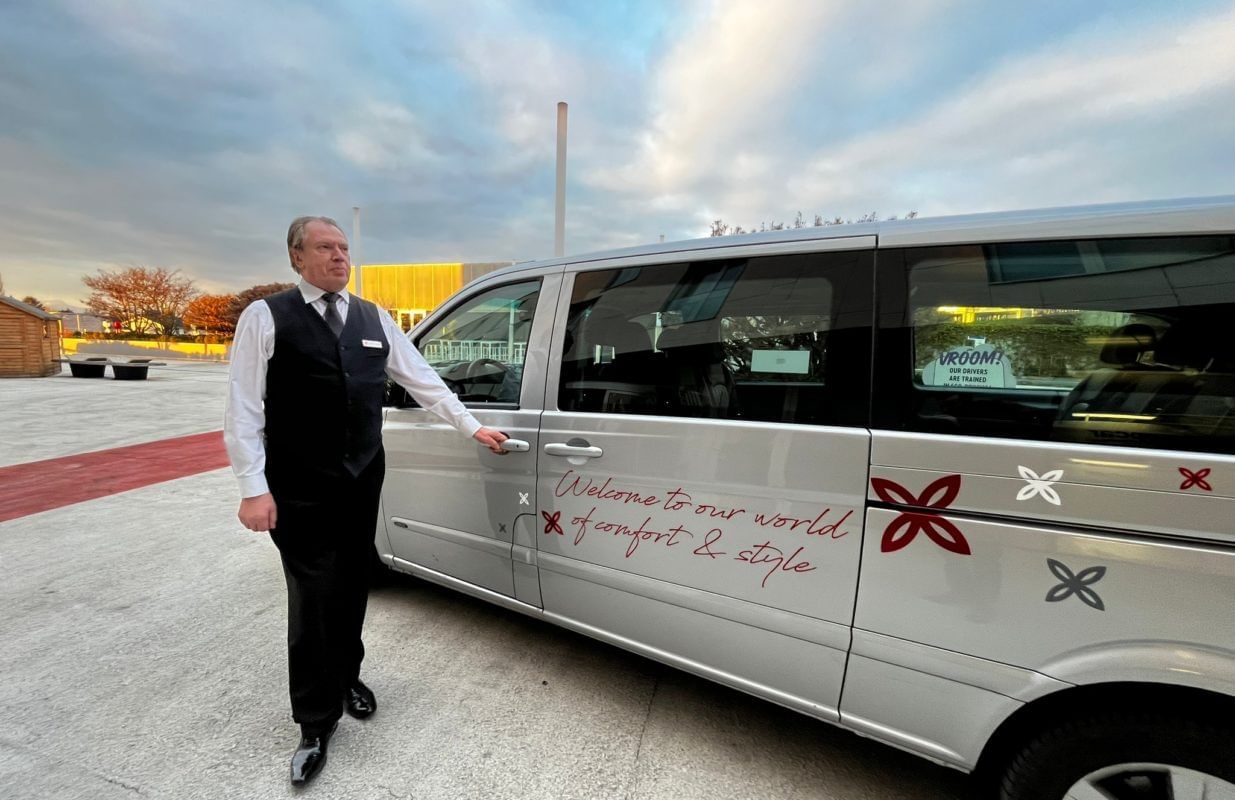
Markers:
point(696, 377)
point(1128, 385)
point(628, 382)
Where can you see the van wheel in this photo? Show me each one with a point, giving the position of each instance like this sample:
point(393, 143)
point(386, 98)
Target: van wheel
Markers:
point(1152, 756)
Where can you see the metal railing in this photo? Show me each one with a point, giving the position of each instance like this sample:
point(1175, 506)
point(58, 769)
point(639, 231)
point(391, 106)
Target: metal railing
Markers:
point(438, 351)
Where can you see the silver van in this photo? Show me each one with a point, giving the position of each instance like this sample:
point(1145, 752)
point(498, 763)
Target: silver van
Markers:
point(964, 485)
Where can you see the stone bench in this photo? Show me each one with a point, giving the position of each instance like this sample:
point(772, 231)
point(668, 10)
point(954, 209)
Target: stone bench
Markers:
point(134, 369)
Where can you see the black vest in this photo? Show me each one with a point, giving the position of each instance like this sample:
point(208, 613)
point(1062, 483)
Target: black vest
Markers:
point(323, 395)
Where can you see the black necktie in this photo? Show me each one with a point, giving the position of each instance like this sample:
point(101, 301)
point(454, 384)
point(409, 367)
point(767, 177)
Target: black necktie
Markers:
point(332, 314)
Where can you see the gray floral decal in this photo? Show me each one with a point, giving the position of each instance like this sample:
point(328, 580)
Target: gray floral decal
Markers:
point(1075, 584)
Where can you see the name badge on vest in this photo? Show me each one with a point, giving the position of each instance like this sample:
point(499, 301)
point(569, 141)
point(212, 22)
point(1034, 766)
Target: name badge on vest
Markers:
point(371, 343)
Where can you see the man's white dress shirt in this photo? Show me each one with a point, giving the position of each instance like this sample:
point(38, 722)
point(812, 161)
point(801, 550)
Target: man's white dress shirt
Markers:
point(244, 421)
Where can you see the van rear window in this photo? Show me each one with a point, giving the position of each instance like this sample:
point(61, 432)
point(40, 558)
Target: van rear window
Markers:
point(1120, 341)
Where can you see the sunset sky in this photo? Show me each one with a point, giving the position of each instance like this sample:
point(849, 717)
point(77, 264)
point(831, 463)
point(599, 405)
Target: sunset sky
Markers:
point(188, 134)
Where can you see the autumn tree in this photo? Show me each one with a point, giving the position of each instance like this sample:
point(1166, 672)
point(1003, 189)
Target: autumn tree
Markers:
point(242, 300)
point(141, 298)
point(211, 313)
point(721, 228)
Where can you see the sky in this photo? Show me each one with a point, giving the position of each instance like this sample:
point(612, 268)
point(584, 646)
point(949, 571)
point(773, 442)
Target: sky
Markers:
point(187, 135)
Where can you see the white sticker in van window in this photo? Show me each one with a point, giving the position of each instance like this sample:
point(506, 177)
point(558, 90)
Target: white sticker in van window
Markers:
point(786, 362)
point(980, 367)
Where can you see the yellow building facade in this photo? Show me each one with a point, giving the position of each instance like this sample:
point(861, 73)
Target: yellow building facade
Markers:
point(410, 291)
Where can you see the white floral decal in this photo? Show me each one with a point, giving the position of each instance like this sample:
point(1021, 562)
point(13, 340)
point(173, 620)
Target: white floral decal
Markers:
point(1042, 485)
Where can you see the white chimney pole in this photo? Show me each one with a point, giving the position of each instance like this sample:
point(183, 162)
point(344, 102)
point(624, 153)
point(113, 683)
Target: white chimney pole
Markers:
point(356, 248)
point(559, 221)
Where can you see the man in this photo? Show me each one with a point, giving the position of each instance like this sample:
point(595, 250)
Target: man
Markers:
point(303, 432)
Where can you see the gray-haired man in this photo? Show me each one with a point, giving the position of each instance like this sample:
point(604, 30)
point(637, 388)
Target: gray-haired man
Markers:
point(303, 431)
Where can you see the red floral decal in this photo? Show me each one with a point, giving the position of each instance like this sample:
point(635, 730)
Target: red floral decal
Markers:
point(905, 528)
point(551, 521)
point(1195, 478)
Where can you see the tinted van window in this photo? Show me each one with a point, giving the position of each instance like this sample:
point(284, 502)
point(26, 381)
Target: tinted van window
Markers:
point(780, 339)
point(1125, 341)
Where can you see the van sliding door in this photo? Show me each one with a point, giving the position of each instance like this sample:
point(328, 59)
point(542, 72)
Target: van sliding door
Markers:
point(704, 461)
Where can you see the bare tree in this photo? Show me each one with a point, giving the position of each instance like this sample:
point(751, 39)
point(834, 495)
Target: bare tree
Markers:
point(169, 297)
point(720, 228)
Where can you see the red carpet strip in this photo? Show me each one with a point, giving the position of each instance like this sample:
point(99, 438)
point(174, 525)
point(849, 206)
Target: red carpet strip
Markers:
point(44, 485)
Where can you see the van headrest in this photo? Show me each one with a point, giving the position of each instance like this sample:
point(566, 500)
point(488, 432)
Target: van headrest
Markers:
point(690, 334)
point(1176, 348)
point(615, 331)
point(629, 337)
point(1124, 346)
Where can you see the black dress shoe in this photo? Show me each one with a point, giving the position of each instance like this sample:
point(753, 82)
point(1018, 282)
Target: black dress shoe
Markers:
point(310, 756)
point(359, 700)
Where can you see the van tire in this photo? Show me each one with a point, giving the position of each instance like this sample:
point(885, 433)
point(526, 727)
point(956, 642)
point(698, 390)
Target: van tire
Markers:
point(1052, 762)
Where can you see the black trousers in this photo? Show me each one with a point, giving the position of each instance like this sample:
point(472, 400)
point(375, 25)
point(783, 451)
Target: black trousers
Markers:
point(325, 539)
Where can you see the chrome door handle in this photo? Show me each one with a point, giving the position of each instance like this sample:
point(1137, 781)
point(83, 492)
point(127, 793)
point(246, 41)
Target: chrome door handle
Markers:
point(563, 449)
point(516, 446)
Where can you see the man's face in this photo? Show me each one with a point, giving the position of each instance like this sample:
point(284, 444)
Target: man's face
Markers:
point(323, 258)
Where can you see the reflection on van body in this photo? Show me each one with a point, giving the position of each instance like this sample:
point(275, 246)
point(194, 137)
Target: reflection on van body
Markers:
point(963, 485)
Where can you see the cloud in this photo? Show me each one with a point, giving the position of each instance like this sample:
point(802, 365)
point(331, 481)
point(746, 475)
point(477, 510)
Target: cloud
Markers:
point(384, 136)
point(518, 63)
point(1078, 121)
point(175, 134)
point(727, 80)
point(1056, 122)
point(747, 92)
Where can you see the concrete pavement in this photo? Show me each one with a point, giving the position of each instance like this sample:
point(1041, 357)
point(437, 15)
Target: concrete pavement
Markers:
point(143, 654)
point(58, 416)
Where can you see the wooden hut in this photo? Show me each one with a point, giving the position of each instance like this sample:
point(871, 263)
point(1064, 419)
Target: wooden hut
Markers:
point(29, 340)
